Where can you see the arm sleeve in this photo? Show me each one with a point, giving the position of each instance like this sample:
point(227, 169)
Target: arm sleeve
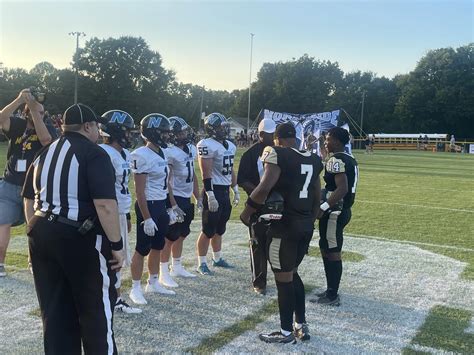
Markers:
point(100, 175)
point(139, 164)
point(17, 128)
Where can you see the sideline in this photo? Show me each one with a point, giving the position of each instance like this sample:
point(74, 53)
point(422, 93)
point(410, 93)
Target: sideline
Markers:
point(363, 236)
point(416, 206)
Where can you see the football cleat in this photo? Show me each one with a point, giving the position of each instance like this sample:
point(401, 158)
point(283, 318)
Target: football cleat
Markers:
point(155, 287)
point(136, 295)
point(203, 269)
point(166, 279)
point(124, 307)
point(277, 337)
point(180, 271)
point(326, 301)
point(302, 333)
point(3, 272)
point(221, 263)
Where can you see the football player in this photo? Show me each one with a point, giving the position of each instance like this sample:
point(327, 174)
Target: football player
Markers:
point(116, 136)
point(294, 175)
point(216, 161)
point(183, 184)
point(150, 168)
point(340, 175)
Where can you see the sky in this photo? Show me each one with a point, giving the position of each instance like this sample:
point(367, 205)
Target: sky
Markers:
point(208, 42)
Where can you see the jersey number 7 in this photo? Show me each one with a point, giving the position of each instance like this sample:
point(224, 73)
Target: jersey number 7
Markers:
point(306, 169)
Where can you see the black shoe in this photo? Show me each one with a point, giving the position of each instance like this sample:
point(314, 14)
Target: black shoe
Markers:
point(302, 333)
point(326, 301)
point(260, 291)
point(321, 294)
point(278, 337)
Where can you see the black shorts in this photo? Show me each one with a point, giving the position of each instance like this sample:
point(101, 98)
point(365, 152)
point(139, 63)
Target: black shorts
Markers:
point(161, 218)
point(182, 229)
point(286, 246)
point(331, 230)
point(215, 222)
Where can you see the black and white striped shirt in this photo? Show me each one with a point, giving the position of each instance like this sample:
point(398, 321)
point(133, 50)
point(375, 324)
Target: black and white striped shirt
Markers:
point(68, 175)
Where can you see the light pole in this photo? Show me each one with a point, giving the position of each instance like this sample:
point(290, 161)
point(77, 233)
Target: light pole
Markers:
point(77, 34)
point(362, 113)
point(250, 81)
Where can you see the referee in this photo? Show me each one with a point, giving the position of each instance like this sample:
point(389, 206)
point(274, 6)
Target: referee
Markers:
point(74, 237)
point(248, 177)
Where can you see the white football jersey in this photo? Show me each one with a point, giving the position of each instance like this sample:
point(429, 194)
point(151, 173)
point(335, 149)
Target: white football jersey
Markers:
point(121, 164)
point(182, 166)
point(223, 159)
point(147, 161)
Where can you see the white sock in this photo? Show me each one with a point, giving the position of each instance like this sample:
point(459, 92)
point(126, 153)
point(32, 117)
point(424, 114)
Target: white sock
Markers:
point(177, 261)
point(298, 325)
point(217, 255)
point(136, 283)
point(202, 259)
point(164, 267)
point(285, 332)
point(153, 278)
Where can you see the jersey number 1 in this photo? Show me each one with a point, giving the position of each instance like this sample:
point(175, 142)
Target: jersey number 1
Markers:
point(307, 170)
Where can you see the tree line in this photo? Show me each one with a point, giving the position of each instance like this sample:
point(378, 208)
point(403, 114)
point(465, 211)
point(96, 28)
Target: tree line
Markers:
point(125, 73)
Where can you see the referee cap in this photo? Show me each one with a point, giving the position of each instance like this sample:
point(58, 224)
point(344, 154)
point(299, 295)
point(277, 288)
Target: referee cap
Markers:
point(79, 114)
point(267, 125)
point(285, 130)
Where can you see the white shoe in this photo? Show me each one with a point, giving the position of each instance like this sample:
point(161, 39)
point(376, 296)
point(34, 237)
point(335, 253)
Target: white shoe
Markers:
point(123, 306)
point(3, 273)
point(166, 279)
point(136, 295)
point(180, 271)
point(155, 287)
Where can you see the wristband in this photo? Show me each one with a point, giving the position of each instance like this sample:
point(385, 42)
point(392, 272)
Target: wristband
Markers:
point(235, 188)
point(208, 184)
point(324, 206)
point(129, 216)
point(254, 204)
point(117, 245)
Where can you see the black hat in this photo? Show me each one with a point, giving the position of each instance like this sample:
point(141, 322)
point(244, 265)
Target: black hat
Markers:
point(79, 114)
point(285, 130)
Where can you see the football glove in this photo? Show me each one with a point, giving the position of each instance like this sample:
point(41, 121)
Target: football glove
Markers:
point(212, 202)
point(199, 205)
point(236, 199)
point(173, 217)
point(179, 214)
point(149, 227)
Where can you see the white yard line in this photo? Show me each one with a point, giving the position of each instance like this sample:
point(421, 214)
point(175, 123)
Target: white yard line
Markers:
point(416, 206)
point(409, 242)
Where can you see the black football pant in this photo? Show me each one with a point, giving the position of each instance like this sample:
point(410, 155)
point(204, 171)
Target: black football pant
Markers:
point(259, 251)
point(75, 288)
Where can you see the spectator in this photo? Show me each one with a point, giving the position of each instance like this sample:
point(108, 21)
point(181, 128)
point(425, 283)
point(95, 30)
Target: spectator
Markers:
point(26, 135)
point(452, 144)
point(425, 142)
point(420, 141)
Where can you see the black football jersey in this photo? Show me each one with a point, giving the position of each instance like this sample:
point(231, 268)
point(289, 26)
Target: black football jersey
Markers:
point(342, 163)
point(299, 173)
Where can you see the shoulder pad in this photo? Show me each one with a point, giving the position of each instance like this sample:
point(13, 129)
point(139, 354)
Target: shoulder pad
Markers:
point(335, 165)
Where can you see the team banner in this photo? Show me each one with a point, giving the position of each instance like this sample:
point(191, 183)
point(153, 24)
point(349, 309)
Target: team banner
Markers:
point(306, 123)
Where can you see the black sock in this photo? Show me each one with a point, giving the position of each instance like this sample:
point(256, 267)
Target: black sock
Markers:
point(299, 299)
point(334, 277)
point(326, 271)
point(286, 304)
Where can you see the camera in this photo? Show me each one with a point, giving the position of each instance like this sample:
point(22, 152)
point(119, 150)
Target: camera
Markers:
point(39, 96)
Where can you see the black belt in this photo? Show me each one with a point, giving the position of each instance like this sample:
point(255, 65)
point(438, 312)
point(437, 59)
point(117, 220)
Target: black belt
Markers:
point(55, 218)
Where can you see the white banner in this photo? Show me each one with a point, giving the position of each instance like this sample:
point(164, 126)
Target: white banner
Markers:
point(471, 148)
point(306, 123)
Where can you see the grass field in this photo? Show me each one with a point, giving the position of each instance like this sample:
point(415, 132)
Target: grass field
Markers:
point(422, 199)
